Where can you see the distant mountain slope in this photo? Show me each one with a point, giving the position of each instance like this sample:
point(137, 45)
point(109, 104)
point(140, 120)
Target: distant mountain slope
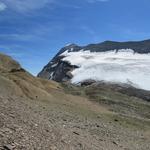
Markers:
point(62, 66)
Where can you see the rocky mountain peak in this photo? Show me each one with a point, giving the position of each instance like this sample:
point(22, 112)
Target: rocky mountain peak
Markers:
point(62, 67)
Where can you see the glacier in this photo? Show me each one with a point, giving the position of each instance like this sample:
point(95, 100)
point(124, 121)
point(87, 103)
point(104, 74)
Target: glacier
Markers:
point(122, 66)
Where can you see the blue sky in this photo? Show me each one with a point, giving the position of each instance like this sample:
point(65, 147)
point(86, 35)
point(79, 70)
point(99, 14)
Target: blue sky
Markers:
point(33, 31)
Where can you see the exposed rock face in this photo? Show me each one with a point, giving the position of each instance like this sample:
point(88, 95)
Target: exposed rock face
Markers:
point(57, 69)
point(87, 82)
point(60, 71)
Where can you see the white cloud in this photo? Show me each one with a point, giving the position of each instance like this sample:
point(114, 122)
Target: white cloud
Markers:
point(2, 6)
point(121, 67)
point(26, 5)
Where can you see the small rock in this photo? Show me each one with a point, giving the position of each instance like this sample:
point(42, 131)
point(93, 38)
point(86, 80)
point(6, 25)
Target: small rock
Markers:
point(53, 148)
point(1, 134)
point(47, 130)
point(76, 133)
point(12, 115)
point(9, 147)
point(97, 126)
point(116, 120)
point(80, 145)
point(6, 130)
point(115, 143)
point(36, 125)
point(98, 117)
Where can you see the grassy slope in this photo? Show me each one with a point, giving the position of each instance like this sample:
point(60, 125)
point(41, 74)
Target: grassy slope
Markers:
point(129, 110)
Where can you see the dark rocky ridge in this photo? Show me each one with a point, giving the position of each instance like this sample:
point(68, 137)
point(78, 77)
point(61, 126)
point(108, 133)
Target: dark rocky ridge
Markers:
point(60, 71)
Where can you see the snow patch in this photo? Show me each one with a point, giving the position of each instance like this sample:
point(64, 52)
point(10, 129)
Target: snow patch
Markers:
point(54, 65)
point(123, 66)
point(51, 76)
point(68, 44)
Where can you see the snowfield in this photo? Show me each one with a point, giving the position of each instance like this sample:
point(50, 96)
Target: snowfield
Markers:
point(123, 66)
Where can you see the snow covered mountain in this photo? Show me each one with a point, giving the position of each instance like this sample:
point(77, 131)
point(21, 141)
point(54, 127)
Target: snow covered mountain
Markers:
point(115, 62)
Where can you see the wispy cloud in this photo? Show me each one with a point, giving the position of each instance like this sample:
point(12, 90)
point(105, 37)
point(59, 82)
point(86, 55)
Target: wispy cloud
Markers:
point(40, 32)
point(94, 1)
point(25, 5)
point(2, 6)
point(18, 37)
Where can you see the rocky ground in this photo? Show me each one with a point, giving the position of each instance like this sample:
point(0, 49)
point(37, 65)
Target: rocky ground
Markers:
point(39, 115)
point(49, 125)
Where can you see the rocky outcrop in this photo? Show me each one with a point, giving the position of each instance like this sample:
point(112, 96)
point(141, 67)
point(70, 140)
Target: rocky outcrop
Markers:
point(57, 69)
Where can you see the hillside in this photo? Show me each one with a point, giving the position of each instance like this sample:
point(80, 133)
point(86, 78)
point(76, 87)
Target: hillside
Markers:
point(40, 114)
